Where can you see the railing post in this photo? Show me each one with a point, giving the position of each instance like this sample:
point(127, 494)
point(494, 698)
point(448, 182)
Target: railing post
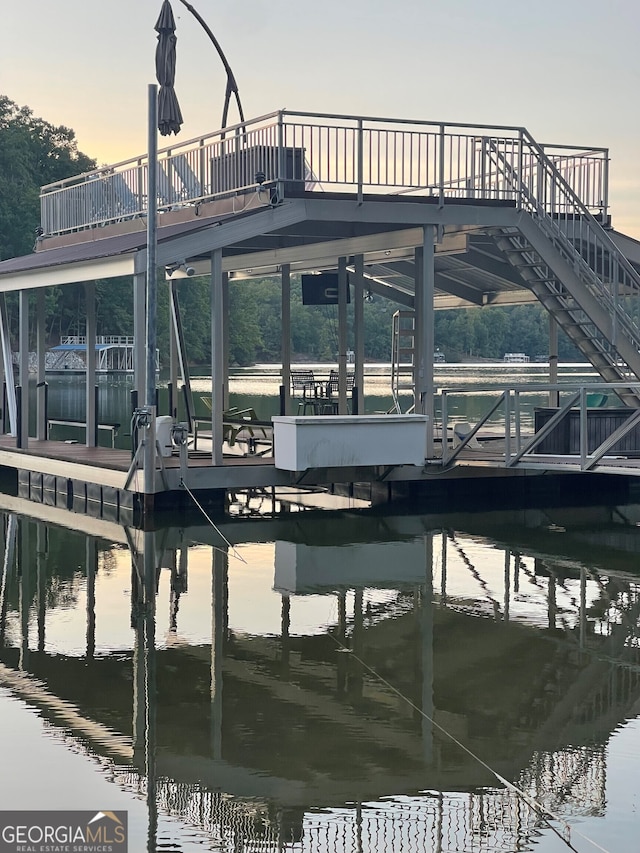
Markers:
point(445, 428)
point(507, 426)
point(281, 158)
point(360, 164)
point(441, 169)
point(520, 160)
point(516, 411)
point(584, 435)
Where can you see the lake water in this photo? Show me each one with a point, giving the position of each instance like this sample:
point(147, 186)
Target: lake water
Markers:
point(303, 680)
point(258, 388)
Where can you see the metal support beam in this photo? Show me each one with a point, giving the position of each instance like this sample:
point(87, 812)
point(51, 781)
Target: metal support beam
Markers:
point(554, 395)
point(139, 322)
point(225, 328)
point(217, 356)
point(173, 354)
point(41, 392)
point(90, 373)
point(425, 285)
point(7, 358)
point(23, 438)
point(342, 335)
point(285, 313)
point(358, 323)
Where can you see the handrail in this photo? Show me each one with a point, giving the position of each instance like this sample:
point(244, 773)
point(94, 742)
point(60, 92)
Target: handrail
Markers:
point(512, 425)
point(359, 153)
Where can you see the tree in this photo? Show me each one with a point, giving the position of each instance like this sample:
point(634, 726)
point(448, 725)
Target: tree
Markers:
point(32, 153)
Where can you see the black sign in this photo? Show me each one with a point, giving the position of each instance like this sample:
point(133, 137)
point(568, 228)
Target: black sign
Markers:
point(321, 289)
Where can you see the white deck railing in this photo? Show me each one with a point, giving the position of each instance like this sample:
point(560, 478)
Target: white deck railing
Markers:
point(512, 425)
point(286, 152)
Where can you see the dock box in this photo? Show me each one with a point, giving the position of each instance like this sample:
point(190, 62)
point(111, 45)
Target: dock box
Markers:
point(601, 423)
point(344, 441)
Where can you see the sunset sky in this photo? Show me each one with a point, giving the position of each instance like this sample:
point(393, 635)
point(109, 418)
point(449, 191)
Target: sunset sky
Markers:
point(567, 70)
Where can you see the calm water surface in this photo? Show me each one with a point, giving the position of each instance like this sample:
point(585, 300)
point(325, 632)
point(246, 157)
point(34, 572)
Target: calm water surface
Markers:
point(314, 681)
point(319, 681)
point(258, 387)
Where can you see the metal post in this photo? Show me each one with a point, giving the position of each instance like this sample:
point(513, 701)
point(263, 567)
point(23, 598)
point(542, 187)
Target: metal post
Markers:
point(554, 396)
point(24, 367)
point(173, 361)
point(41, 421)
point(139, 357)
point(7, 358)
point(342, 335)
point(150, 329)
point(90, 371)
point(217, 356)
point(285, 312)
point(225, 342)
point(358, 324)
point(428, 347)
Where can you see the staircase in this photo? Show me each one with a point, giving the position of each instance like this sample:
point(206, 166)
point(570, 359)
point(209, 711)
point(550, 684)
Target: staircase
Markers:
point(403, 362)
point(568, 260)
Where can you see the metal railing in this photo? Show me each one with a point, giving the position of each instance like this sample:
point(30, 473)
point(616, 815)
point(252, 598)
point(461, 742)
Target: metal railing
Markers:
point(81, 340)
point(512, 424)
point(285, 152)
point(568, 222)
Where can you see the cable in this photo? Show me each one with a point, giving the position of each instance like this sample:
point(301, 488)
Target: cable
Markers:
point(544, 813)
point(234, 552)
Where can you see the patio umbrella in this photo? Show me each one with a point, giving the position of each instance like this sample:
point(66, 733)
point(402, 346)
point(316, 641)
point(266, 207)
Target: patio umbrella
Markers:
point(169, 115)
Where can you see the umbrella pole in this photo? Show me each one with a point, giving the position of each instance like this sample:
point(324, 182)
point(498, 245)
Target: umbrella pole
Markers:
point(150, 379)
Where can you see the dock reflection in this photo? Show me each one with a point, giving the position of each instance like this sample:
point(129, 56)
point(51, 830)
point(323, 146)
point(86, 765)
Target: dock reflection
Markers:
point(434, 661)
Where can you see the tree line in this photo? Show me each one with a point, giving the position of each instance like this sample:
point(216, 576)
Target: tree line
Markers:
point(34, 153)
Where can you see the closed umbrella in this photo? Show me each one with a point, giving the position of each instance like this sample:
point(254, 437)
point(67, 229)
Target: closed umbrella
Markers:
point(169, 115)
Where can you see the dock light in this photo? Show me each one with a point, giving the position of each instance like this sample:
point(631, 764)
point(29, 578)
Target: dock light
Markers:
point(178, 270)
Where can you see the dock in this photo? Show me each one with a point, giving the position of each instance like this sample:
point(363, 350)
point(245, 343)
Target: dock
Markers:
point(430, 215)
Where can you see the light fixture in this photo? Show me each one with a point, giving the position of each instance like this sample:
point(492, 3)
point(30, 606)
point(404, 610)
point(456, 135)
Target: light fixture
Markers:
point(178, 269)
point(368, 297)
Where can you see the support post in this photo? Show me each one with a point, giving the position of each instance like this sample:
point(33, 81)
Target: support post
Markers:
point(139, 356)
point(358, 323)
point(285, 313)
point(24, 368)
point(173, 360)
point(217, 356)
point(554, 396)
point(90, 372)
point(225, 343)
point(41, 392)
point(150, 336)
point(7, 359)
point(342, 336)
point(424, 331)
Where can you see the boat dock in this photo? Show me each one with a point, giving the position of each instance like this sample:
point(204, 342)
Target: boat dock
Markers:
point(428, 215)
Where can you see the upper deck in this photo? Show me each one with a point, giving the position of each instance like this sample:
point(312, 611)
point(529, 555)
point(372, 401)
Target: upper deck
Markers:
point(289, 154)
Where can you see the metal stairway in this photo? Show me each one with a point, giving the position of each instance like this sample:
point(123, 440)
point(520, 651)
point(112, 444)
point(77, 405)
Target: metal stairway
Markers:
point(573, 267)
point(403, 361)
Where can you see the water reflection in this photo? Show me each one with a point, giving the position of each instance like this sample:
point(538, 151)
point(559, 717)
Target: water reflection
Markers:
point(358, 683)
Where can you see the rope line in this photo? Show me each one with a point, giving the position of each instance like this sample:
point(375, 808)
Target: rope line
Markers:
point(234, 552)
point(544, 813)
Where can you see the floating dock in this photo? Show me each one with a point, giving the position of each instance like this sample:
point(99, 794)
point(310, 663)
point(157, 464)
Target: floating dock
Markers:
point(429, 215)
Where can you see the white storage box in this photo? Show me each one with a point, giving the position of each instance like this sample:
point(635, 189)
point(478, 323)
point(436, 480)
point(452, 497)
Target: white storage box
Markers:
point(341, 441)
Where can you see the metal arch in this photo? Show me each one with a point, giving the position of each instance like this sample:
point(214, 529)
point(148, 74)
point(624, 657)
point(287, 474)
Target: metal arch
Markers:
point(232, 86)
